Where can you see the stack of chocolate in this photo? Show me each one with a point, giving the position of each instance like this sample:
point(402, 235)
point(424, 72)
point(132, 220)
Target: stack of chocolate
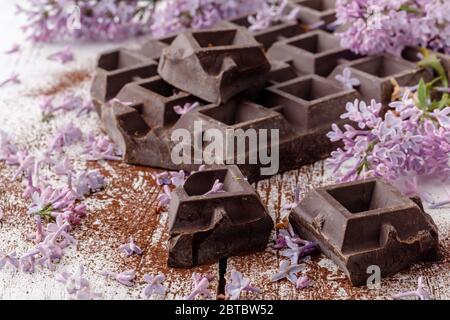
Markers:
point(284, 78)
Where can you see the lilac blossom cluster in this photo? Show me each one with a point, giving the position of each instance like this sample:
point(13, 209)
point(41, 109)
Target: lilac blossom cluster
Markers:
point(295, 249)
point(92, 20)
point(410, 141)
point(272, 12)
point(120, 19)
point(176, 15)
point(55, 210)
point(377, 26)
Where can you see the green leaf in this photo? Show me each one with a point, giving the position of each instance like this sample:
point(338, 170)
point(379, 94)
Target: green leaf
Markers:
point(432, 61)
point(422, 94)
point(409, 9)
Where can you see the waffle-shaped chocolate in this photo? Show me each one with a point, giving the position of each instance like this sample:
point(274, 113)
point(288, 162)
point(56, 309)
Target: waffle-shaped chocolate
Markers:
point(376, 75)
point(315, 52)
point(214, 65)
point(205, 227)
point(115, 69)
point(365, 224)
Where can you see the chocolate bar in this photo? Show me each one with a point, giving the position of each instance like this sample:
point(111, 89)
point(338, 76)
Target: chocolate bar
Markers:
point(301, 110)
point(366, 223)
point(205, 227)
point(226, 71)
point(214, 65)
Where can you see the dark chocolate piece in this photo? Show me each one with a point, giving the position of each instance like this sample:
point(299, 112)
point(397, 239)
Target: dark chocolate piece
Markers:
point(316, 52)
point(270, 35)
point(314, 11)
point(214, 65)
point(376, 74)
point(205, 228)
point(141, 118)
point(302, 110)
point(115, 69)
point(366, 223)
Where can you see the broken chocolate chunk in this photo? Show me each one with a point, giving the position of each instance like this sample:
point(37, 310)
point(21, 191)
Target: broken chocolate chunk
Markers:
point(206, 226)
point(214, 65)
point(366, 223)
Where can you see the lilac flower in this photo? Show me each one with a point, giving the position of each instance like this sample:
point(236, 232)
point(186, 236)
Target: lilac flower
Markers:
point(77, 286)
point(40, 233)
point(50, 202)
point(68, 103)
point(2, 214)
point(41, 158)
point(420, 292)
point(126, 278)
point(27, 164)
point(178, 178)
point(288, 233)
point(346, 79)
point(303, 282)
point(162, 178)
point(94, 20)
point(28, 261)
point(30, 187)
point(65, 136)
point(216, 188)
point(101, 148)
point(13, 78)
point(154, 285)
point(271, 13)
point(51, 249)
point(188, 107)
point(88, 181)
point(374, 27)
point(86, 108)
point(74, 213)
point(60, 232)
point(238, 284)
point(65, 168)
point(165, 197)
point(287, 271)
point(8, 258)
point(295, 252)
point(200, 284)
point(410, 141)
point(131, 248)
point(176, 15)
point(63, 56)
point(14, 48)
point(8, 150)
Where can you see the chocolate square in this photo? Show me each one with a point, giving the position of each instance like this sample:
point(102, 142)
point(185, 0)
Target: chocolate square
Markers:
point(313, 11)
point(366, 223)
point(116, 68)
point(214, 65)
point(315, 52)
point(205, 228)
point(375, 74)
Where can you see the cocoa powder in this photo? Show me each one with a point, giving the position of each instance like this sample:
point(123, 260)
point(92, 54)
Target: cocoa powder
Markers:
point(64, 81)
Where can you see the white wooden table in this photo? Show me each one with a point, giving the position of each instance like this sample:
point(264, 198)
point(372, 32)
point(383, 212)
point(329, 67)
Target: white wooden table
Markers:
point(129, 203)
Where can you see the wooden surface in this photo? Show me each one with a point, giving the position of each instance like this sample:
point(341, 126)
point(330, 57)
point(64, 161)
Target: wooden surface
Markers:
point(127, 206)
